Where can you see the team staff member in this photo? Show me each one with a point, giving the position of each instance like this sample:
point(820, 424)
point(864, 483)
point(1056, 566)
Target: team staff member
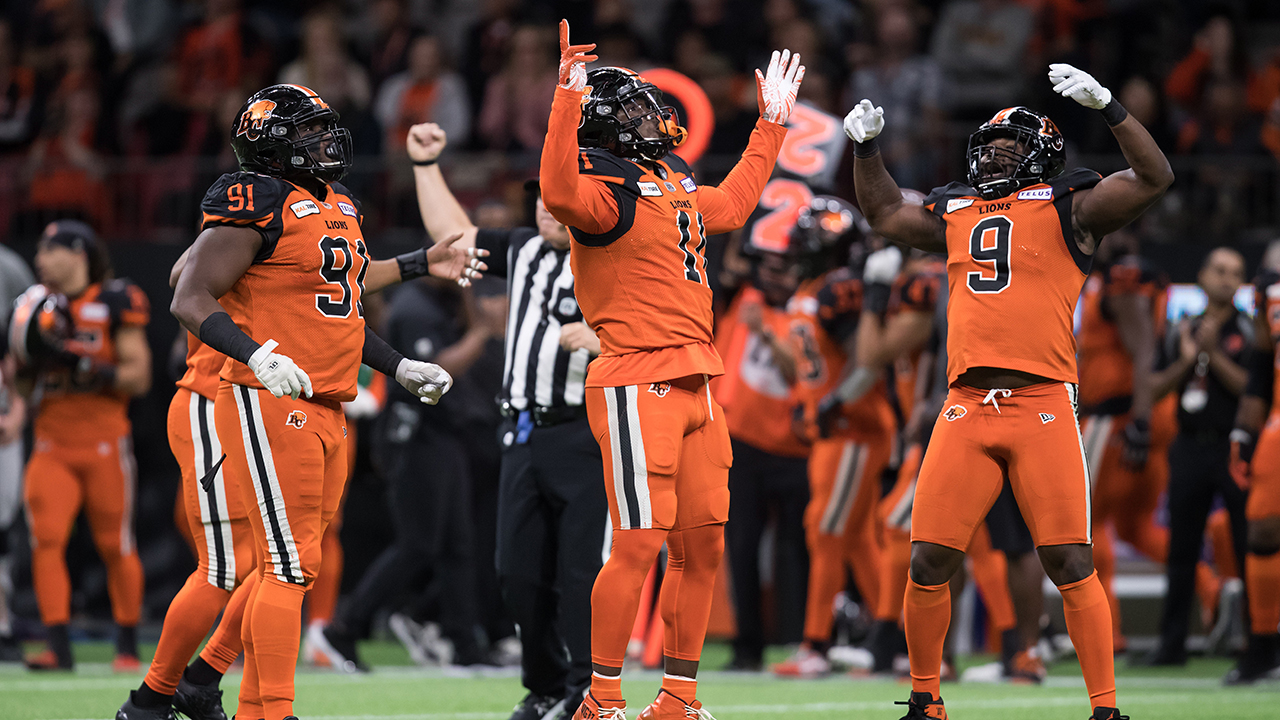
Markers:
point(552, 513)
point(1011, 356)
point(769, 475)
point(1201, 363)
point(288, 268)
point(95, 357)
point(639, 222)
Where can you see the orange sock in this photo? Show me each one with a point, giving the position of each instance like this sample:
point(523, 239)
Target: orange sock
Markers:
point(895, 564)
point(225, 645)
point(826, 578)
point(682, 687)
point(191, 613)
point(862, 553)
point(322, 598)
point(1104, 564)
point(607, 687)
point(927, 616)
point(276, 624)
point(1089, 624)
point(991, 575)
point(693, 557)
point(1262, 582)
point(615, 597)
point(250, 701)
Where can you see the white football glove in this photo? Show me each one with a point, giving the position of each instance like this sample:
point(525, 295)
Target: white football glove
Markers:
point(776, 89)
point(425, 380)
point(864, 121)
point(278, 374)
point(882, 266)
point(1078, 85)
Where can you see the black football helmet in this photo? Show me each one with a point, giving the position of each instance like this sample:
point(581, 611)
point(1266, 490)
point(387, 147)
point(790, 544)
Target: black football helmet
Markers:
point(1040, 155)
point(615, 106)
point(268, 135)
point(825, 233)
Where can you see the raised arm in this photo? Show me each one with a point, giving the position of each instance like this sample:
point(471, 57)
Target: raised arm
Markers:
point(727, 206)
point(879, 197)
point(442, 215)
point(585, 204)
point(1122, 196)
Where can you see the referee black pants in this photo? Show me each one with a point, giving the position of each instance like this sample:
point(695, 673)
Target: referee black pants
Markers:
point(553, 521)
point(1197, 472)
point(763, 484)
point(429, 499)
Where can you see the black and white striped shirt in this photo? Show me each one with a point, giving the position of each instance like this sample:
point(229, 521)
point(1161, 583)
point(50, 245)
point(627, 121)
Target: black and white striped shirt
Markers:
point(537, 371)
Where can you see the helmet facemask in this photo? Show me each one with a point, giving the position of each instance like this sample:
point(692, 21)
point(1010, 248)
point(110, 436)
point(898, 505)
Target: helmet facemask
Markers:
point(647, 126)
point(324, 154)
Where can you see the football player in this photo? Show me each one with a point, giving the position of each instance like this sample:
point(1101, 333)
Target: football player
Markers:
point(282, 264)
point(1019, 237)
point(639, 222)
point(81, 337)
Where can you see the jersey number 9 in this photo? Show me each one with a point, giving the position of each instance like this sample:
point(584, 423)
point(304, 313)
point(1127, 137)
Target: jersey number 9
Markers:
point(990, 244)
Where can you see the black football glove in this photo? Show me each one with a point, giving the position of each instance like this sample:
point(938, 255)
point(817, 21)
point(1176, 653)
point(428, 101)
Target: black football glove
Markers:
point(1137, 443)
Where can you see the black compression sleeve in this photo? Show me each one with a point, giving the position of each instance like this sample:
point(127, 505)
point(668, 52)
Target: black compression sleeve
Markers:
point(220, 332)
point(1262, 374)
point(379, 355)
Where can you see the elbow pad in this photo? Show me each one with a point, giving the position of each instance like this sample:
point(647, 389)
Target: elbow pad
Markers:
point(1262, 374)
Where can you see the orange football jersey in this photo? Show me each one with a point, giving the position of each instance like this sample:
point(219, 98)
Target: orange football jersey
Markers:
point(756, 398)
point(1014, 274)
point(639, 238)
point(1266, 297)
point(304, 288)
point(824, 314)
point(917, 291)
point(1106, 369)
point(203, 367)
point(69, 411)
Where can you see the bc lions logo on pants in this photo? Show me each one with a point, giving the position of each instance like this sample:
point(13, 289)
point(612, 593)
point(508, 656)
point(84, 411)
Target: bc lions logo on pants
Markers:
point(955, 412)
point(297, 419)
point(660, 388)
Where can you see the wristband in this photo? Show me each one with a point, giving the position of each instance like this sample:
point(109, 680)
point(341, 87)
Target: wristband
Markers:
point(1114, 113)
point(220, 332)
point(412, 264)
point(426, 163)
point(866, 149)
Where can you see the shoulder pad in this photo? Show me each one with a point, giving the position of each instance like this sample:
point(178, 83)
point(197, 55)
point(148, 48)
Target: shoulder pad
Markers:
point(594, 161)
point(128, 304)
point(1073, 180)
point(242, 198)
point(937, 199)
point(677, 163)
point(357, 208)
point(839, 292)
point(917, 292)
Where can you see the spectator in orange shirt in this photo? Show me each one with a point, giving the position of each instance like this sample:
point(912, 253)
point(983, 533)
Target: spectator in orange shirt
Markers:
point(517, 101)
point(426, 92)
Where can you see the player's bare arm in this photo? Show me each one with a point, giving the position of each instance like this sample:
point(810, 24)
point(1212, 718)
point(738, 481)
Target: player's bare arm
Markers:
point(133, 361)
point(442, 215)
point(1122, 196)
point(879, 197)
point(1164, 381)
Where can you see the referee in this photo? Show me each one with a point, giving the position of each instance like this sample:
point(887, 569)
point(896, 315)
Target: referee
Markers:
point(553, 517)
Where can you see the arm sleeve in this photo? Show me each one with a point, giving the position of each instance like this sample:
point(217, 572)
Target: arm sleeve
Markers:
point(247, 200)
point(379, 355)
point(727, 206)
point(586, 204)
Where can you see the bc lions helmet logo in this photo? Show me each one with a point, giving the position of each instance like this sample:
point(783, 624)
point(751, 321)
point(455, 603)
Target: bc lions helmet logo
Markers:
point(296, 419)
point(251, 120)
point(955, 412)
point(660, 388)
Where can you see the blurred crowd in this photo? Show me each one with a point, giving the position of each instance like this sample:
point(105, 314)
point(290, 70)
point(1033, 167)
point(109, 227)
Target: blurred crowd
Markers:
point(92, 91)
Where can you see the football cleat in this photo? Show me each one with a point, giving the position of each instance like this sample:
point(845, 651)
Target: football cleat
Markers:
point(198, 702)
point(1026, 668)
point(806, 663)
point(130, 711)
point(669, 707)
point(538, 707)
point(126, 664)
point(593, 709)
point(1261, 661)
point(47, 660)
point(340, 649)
point(1106, 713)
point(922, 706)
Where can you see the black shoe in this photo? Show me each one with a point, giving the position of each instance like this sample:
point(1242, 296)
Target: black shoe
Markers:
point(1160, 657)
point(538, 707)
point(10, 650)
point(1106, 713)
point(883, 642)
point(198, 702)
point(129, 711)
point(741, 663)
point(340, 648)
point(1261, 660)
point(922, 706)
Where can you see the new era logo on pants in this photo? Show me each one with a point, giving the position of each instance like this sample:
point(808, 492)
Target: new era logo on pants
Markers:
point(1046, 418)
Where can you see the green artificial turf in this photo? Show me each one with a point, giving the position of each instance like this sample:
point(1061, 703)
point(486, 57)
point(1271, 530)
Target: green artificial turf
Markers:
point(398, 691)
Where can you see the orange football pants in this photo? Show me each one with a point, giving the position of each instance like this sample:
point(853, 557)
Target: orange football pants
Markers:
point(666, 469)
point(1262, 572)
point(840, 524)
point(220, 533)
point(63, 476)
point(289, 460)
